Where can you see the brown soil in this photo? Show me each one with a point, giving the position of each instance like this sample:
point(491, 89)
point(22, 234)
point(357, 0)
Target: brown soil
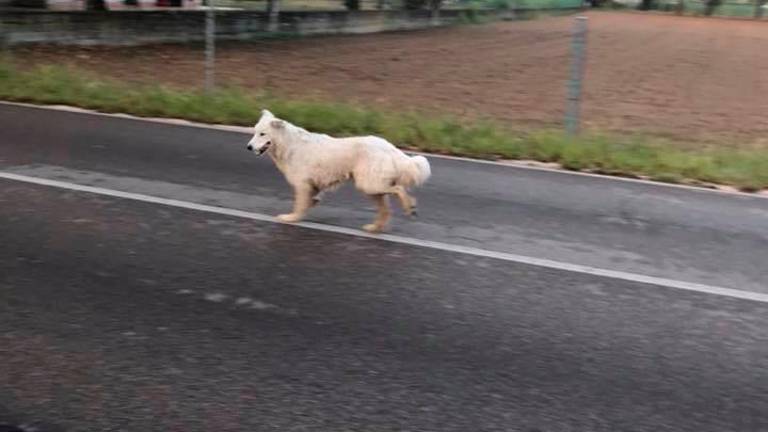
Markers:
point(689, 78)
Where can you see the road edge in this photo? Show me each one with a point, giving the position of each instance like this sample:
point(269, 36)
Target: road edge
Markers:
point(512, 164)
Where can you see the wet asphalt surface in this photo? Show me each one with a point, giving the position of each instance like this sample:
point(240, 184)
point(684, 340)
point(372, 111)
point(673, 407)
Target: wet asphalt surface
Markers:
point(129, 316)
point(647, 229)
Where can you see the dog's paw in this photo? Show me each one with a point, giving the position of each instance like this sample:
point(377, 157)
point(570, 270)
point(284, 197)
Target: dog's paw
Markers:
point(288, 218)
point(372, 228)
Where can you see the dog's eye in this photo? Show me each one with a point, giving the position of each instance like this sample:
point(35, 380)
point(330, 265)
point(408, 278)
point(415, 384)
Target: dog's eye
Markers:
point(262, 134)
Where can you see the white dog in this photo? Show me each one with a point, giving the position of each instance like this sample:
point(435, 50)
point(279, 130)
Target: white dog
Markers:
point(313, 163)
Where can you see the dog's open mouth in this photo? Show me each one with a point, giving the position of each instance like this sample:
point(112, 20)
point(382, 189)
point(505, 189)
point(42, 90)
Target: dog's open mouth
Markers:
point(265, 147)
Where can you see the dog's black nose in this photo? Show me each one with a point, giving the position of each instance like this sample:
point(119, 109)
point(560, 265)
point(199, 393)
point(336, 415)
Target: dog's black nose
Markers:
point(250, 147)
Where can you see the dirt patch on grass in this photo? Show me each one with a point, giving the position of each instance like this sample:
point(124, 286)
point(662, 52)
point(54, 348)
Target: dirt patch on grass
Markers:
point(692, 79)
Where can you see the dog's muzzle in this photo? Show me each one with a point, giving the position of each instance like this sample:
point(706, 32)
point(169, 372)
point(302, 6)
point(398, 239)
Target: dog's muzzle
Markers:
point(263, 148)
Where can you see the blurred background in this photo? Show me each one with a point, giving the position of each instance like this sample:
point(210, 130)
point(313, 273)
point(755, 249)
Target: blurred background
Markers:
point(144, 285)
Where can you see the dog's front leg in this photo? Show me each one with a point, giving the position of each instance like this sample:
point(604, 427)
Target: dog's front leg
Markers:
point(317, 196)
point(301, 203)
point(406, 201)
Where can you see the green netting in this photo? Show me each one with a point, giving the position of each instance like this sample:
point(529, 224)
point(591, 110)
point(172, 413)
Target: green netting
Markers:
point(546, 4)
point(525, 4)
point(290, 5)
point(730, 9)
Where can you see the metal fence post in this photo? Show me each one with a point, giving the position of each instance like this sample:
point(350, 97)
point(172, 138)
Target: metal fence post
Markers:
point(273, 15)
point(210, 47)
point(759, 8)
point(5, 43)
point(434, 12)
point(578, 62)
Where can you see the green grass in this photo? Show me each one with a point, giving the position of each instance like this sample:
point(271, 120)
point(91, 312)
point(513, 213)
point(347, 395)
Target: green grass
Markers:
point(655, 158)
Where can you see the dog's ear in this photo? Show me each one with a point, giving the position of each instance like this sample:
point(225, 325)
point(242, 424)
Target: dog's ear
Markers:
point(267, 114)
point(277, 124)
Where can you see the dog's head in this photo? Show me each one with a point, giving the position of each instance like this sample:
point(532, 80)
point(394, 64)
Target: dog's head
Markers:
point(265, 132)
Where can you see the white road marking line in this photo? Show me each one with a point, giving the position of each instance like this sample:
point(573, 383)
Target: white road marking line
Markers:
point(504, 256)
point(247, 131)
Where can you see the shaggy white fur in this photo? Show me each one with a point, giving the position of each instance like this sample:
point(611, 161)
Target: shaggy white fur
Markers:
point(313, 163)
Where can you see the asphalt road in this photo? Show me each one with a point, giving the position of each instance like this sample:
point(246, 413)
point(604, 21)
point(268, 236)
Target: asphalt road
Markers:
point(130, 316)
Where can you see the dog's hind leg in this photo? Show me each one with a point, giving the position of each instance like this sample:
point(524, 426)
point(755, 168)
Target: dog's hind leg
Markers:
point(382, 217)
point(302, 202)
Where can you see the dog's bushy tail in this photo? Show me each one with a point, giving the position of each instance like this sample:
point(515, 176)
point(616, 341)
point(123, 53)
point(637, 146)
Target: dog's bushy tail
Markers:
point(419, 170)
